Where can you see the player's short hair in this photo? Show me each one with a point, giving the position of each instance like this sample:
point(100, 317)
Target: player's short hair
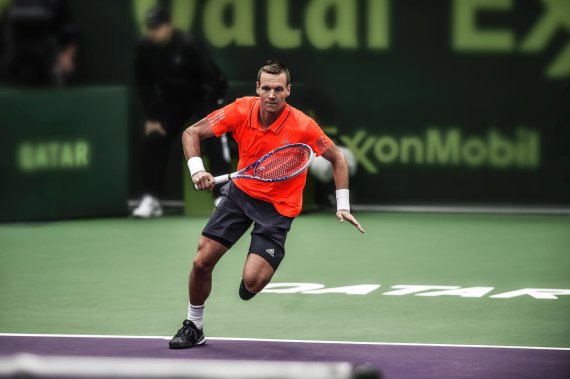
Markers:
point(275, 67)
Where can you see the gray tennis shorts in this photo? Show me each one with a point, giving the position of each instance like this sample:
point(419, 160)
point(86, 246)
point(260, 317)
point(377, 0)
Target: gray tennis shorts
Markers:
point(235, 214)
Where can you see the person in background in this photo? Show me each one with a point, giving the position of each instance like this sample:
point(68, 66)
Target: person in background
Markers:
point(38, 43)
point(178, 82)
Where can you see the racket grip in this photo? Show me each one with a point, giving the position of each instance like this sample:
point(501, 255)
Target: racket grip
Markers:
point(219, 179)
point(222, 178)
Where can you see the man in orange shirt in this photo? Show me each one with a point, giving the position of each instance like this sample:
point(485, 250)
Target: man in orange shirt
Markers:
point(259, 125)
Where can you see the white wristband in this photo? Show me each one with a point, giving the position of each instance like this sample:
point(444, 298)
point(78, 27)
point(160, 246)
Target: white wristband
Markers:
point(342, 201)
point(195, 165)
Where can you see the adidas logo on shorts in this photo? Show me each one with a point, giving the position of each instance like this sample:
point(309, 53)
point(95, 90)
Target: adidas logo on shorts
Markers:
point(270, 252)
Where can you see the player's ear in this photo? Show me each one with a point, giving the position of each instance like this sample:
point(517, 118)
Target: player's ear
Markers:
point(257, 87)
point(288, 88)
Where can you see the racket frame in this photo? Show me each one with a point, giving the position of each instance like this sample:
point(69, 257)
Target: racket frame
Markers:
point(239, 174)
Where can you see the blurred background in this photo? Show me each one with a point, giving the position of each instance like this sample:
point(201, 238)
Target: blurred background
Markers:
point(441, 103)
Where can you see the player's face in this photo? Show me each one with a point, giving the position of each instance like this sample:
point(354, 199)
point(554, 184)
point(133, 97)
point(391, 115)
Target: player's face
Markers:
point(159, 35)
point(273, 90)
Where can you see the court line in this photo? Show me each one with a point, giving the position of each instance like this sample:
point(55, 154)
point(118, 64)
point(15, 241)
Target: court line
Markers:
point(479, 209)
point(292, 341)
point(476, 209)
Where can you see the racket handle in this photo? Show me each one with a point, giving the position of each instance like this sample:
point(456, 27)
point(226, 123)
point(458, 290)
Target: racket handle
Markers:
point(219, 179)
point(222, 178)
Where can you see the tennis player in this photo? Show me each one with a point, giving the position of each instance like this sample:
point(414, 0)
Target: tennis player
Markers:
point(259, 125)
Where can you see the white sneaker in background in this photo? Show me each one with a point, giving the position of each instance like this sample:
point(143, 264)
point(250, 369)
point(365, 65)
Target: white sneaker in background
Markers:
point(217, 201)
point(149, 207)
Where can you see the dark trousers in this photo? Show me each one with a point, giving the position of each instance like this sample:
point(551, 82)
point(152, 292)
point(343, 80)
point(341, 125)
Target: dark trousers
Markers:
point(157, 148)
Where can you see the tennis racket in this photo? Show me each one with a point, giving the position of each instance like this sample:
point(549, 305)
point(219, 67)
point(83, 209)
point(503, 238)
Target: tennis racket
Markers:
point(280, 164)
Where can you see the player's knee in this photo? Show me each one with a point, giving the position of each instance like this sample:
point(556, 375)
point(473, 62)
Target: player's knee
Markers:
point(244, 293)
point(201, 266)
point(254, 284)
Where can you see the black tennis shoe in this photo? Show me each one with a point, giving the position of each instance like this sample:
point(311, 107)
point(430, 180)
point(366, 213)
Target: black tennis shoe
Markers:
point(187, 336)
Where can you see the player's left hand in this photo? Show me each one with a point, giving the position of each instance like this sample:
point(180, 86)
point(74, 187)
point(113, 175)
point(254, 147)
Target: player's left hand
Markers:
point(345, 215)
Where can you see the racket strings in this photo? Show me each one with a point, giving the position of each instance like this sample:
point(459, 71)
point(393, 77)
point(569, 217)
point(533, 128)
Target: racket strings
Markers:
point(283, 163)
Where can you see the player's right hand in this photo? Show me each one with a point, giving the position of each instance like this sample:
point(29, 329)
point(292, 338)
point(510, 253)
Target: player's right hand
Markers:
point(203, 180)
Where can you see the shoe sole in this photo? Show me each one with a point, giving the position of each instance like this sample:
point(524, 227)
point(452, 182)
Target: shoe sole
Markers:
point(201, 341)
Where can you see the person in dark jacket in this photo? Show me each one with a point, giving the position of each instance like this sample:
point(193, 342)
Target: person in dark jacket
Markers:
point(38, 43)
point(178, 81)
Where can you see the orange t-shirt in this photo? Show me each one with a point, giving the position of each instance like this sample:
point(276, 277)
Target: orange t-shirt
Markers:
point(241, 118)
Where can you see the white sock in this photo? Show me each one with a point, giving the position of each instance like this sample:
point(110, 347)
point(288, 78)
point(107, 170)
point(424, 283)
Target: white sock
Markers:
point(195, 314)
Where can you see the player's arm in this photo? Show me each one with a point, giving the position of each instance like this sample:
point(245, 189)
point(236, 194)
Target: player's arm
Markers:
point(340, 173)
point(191, 144)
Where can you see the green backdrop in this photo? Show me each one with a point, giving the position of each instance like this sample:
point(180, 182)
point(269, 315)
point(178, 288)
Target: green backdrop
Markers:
point(442, 101)
point(63, 153)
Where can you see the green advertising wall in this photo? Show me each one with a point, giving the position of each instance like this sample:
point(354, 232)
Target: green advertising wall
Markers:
point(63, 153)
point(441, 101)
point(463, 101)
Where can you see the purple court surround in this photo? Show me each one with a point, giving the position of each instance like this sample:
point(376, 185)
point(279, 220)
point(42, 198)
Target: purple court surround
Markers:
point(396, 361)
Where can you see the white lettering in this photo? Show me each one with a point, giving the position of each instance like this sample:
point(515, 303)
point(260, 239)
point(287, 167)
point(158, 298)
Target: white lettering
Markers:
point(408, 289)
point(361, 289)
point(463, 292)
point(291, 287)
point(537, 293)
